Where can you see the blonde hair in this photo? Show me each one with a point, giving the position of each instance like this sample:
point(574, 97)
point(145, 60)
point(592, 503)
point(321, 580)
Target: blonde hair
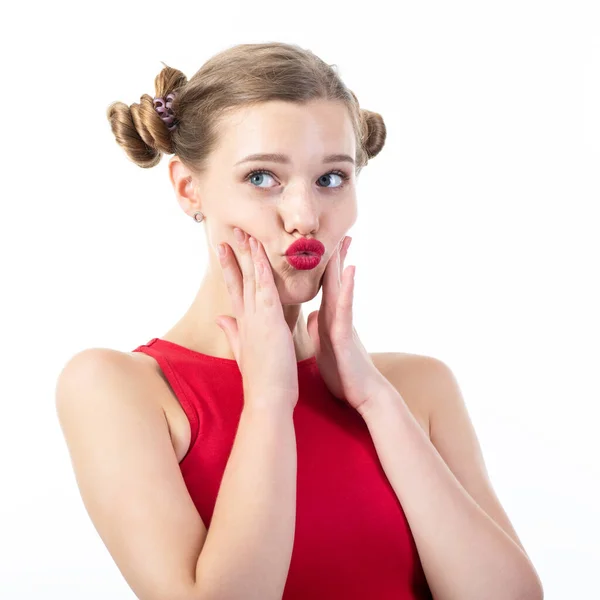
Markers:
point(240, 76)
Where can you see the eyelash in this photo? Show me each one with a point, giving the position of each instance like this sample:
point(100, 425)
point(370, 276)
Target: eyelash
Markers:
point(345, 177)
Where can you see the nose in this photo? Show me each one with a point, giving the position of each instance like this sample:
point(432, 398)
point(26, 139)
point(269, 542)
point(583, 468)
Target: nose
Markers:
point(300, 210)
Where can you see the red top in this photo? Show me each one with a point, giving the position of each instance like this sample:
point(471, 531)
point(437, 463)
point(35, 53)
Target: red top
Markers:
point(352, 539)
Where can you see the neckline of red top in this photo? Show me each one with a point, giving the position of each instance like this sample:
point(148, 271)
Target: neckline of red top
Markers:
point(215, 359)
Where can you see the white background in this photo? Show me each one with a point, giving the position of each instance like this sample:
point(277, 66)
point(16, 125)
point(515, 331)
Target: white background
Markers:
point(477, 240)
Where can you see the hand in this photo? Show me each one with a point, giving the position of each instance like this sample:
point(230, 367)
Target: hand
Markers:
point(258, 333)
point(343, 362)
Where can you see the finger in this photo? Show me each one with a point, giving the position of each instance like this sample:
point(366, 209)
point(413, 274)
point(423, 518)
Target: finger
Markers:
point(258, 267)
point(262, 270)
point(229, 327)
point(266, 291)
point(342, 252)
point(233, 280)
point(339, 265)
point(346, 298)
point(246, 264)
point(345, 247)
point(332, 280)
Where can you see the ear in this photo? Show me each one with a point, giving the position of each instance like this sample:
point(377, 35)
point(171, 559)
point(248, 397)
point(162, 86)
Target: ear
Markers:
point(183, 184)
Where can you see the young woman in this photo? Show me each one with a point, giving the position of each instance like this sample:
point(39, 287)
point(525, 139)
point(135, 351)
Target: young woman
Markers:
point(250, 453)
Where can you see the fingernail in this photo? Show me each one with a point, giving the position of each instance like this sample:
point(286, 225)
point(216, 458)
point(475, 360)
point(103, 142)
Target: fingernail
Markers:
point(253, 244)
point(239, 234)
point(221, 250)
point(348, 242)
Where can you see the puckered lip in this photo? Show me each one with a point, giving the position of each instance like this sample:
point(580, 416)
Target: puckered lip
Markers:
point(310, 246)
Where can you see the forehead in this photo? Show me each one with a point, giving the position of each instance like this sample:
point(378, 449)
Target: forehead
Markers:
point(312, 129)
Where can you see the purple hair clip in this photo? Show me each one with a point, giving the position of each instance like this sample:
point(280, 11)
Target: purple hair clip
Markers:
point(165, 110)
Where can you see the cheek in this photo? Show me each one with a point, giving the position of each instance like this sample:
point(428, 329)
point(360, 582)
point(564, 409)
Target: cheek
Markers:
point(218, 232)
point(341, 217)
point(351, 216)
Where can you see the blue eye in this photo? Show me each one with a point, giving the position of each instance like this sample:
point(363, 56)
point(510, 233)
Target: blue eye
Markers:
point(258, 173)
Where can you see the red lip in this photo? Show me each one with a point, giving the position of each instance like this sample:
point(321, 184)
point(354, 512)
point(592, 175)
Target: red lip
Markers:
point(308, 246)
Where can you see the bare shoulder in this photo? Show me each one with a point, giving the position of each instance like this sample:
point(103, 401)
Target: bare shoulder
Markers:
point(411, 374)
point(121, 452)
point(92, 364)
point(143, 373)
point(92, 360)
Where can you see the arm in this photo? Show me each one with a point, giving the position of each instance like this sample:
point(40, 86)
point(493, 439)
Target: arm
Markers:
point(249, 545)
point(133, 490)
point(465, 554)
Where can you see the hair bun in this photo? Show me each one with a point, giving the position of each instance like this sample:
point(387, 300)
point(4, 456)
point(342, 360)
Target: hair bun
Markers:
point(375, 132)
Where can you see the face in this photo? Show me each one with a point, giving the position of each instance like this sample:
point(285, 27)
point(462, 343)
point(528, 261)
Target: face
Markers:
point(279, 202)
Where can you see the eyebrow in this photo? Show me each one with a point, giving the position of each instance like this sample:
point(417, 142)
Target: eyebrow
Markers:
point(284, 159)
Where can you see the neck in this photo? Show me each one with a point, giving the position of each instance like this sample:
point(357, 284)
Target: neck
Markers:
point(198, 330)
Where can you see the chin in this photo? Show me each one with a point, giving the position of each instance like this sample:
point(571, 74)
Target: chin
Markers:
point(298, 292)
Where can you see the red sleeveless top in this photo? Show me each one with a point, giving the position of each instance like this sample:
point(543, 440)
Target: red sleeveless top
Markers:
point(352, 539)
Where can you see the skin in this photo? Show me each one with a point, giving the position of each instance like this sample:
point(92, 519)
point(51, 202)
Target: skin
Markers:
point(299, 199)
